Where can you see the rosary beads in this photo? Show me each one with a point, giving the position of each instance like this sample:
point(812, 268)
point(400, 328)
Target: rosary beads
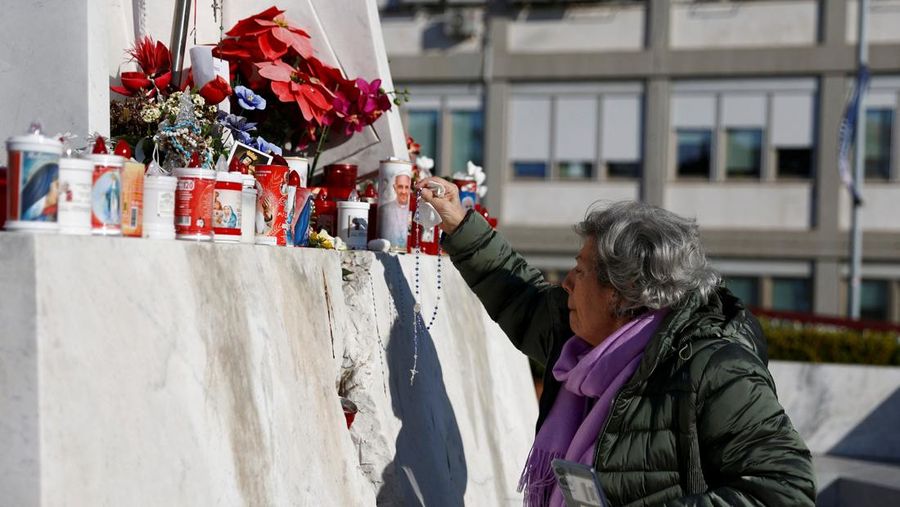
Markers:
point(417, 305)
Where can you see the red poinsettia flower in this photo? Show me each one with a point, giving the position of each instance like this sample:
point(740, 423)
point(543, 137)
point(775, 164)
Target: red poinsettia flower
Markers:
point(155, 62)
point(290, 84)
point(330, 77)
point(215, 91)
point(264, 36)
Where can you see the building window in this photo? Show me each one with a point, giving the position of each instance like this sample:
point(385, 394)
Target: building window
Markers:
point(879, 126)
point(580, 132)
point(621, 135)
point(874, 300)
point(583, 170)
point(743, 152)
point(575, 136)
point(422, 125)
point(694, 152)
point(751, 122)
point(530, 170)
point(623, 169)
point(791, 133)
point(794, 162)
point(528, 143)
point(467, 129)
point(792, 295)
point(447, 121)
point(745, 288)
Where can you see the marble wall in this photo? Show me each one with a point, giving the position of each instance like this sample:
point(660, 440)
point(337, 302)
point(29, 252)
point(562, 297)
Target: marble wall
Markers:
point(59, 58)
point(137, 372)
point(843, 410)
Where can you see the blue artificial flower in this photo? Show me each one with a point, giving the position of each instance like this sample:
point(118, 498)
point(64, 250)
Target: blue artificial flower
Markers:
point(249, 100)
point(267, 147)
point(238, 125)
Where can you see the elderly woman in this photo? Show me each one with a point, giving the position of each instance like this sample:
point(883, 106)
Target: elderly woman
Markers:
point(655, 374)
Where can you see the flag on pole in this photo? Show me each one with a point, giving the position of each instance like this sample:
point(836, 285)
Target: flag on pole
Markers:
point(847, 133)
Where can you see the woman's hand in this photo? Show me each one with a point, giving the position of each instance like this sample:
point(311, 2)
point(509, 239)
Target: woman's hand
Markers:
point(448, 206)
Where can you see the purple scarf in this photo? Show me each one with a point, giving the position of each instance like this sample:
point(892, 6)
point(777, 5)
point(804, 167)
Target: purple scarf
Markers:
point(586, 372)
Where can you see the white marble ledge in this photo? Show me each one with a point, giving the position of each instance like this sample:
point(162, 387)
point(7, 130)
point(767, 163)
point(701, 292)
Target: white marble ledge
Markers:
point(139, 372)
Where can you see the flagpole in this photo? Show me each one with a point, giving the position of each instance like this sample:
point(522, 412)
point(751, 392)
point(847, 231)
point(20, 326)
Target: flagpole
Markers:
point(179, 38)
point(859, 168)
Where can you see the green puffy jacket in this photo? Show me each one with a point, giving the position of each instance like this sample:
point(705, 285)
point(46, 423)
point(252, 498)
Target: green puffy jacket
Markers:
point(698, 424)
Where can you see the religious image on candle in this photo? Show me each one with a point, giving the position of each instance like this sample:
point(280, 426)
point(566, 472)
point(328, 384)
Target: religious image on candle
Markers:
point(394, 194)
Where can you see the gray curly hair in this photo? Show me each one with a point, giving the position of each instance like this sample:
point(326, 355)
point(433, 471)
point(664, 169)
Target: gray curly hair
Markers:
point(650, 256)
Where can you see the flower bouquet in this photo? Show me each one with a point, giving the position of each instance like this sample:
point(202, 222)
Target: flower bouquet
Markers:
point(170, 125)
point(284, 99)
point(294, 101)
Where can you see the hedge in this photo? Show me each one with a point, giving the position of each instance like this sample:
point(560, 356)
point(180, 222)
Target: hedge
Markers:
point(813, 343)
point(792, 341)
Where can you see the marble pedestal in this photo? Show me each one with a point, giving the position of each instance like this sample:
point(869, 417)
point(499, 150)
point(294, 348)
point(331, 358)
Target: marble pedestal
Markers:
point(137, 372)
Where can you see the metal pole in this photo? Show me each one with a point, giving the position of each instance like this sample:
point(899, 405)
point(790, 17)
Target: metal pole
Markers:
point(179, 38)
point(859, 169)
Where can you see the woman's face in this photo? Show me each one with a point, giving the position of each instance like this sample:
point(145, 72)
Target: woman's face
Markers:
point(592, 306)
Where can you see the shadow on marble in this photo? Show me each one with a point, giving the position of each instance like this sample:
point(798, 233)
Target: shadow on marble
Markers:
point(429, 466)
point(875, 438)
point(849, 492)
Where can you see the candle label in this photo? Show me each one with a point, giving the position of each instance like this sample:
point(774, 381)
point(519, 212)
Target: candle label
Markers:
point(165, 205)
point(106, 198)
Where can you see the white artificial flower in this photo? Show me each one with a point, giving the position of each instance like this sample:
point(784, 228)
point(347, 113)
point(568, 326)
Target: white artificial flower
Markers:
point(425, 163)
point(482, 191)
point(477, 171)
